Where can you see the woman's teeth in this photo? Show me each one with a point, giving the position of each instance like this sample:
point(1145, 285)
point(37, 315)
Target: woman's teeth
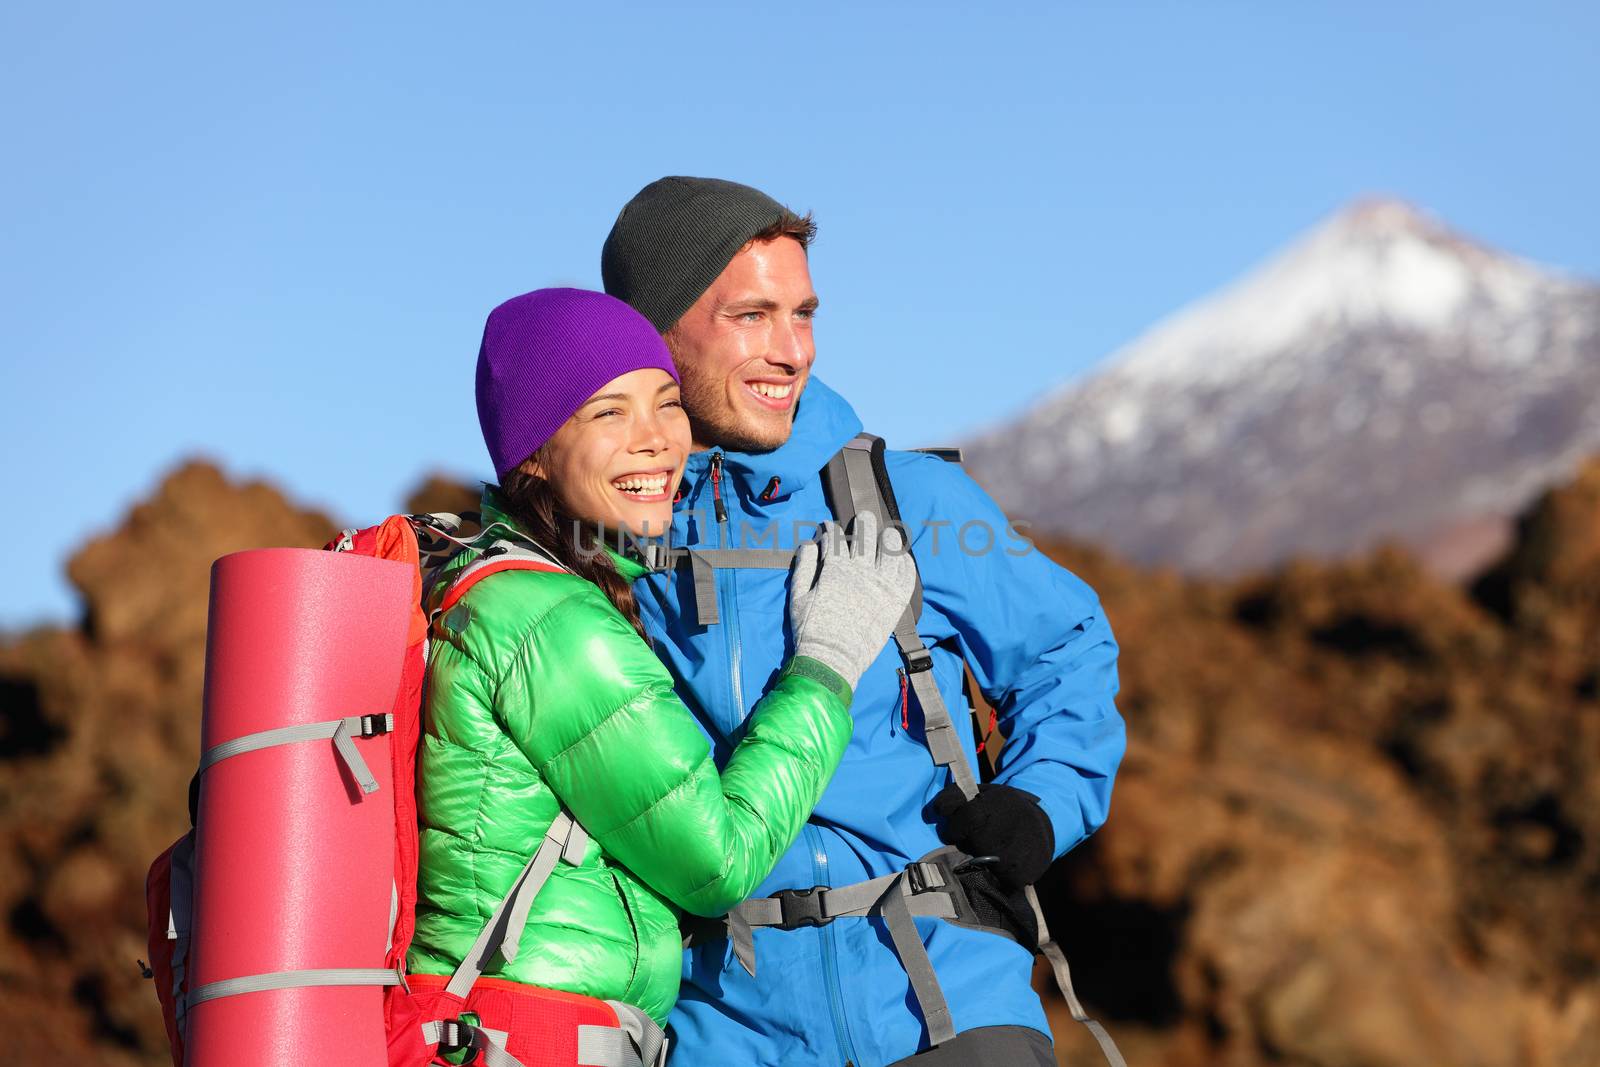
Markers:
point(642, 485)
point(773, 392)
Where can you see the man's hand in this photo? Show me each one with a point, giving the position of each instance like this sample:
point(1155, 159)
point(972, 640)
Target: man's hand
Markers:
point(1000, 821)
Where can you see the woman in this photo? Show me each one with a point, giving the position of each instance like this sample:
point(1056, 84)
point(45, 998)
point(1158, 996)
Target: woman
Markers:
point(544, 695)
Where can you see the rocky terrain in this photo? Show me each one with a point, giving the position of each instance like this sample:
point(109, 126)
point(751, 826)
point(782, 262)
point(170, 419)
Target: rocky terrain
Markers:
point(1358, 824)
point(1382, 378)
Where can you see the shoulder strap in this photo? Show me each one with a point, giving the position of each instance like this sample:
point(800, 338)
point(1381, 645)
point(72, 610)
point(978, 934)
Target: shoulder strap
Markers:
point(565, 840)
point(501, 555)
point(856, 481)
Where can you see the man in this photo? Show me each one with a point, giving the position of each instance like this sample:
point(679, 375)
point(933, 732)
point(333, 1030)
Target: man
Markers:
point(721, 270)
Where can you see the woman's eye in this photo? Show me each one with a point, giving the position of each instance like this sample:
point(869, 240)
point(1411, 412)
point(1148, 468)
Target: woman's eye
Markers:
point(607, 412)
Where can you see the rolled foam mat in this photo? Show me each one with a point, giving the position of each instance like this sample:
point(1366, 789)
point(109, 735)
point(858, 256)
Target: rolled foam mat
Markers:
point(294, 863)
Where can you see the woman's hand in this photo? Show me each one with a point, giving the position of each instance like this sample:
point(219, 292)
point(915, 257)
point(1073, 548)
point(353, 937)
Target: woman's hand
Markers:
point(846, 595)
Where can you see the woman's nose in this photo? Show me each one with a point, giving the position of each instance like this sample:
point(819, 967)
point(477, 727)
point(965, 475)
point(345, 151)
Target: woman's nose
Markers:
point(650, 435)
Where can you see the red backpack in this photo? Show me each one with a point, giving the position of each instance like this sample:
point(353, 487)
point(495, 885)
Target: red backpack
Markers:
point(366, 1012)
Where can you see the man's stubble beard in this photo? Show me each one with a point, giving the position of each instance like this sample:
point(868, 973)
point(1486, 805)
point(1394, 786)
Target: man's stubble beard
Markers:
point(715, 423)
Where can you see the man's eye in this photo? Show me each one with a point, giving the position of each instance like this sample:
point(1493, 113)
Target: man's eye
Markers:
point(807, 313)
point(750, 316)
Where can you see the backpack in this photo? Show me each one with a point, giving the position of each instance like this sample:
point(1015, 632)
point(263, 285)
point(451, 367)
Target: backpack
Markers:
point(364, 1010)
point(856, 480)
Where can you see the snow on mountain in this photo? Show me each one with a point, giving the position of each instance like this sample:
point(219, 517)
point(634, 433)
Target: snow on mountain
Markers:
point(1383, 377)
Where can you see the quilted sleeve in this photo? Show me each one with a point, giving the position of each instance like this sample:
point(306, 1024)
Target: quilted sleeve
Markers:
point(594, 710)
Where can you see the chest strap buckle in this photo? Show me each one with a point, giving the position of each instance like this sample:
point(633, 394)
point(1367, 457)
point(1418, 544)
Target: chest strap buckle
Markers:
point(801, 907)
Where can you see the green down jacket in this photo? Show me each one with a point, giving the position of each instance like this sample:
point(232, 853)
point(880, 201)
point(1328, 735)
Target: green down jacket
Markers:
point(540, 694)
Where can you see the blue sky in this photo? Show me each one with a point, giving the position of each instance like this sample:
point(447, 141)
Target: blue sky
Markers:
point(269, 234)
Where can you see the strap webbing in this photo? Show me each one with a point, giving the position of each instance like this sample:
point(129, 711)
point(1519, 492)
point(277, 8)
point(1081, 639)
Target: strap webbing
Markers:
point(1058, 965)
point(923, 884)
point(705, 562)
point(854, 467)
point(342, 731)
point(503, 554)
point(260, 983)
point(938, 729)
point(892, 906)
point(746, 558)
point(704, 576)
point(860, 898)
point(636, 1041)
point(853, 489)
point(853, 484)
point(860, 481)
point(491, 1044)
point(565, 840)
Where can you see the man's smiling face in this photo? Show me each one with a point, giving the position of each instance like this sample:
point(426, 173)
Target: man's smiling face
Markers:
point(744, 349)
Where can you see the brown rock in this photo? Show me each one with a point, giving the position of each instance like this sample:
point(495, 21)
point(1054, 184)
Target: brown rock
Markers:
point(101, 730)
point(1358, 824)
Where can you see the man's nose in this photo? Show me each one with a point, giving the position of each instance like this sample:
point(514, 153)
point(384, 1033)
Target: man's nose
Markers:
point(792, 346)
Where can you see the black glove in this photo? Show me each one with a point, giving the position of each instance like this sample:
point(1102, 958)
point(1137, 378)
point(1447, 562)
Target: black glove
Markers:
point(1000, 821)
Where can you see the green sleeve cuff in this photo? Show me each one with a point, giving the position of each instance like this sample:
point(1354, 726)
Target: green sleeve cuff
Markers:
point(823, 675)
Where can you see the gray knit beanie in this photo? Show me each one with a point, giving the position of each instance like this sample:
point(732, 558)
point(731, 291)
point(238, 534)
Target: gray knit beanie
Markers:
point(671, 241)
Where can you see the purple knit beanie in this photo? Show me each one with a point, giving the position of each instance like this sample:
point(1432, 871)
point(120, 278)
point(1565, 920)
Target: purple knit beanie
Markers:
point(544, 354)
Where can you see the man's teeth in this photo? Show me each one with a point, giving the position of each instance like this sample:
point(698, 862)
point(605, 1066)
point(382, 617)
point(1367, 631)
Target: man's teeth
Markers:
point(644, 485)
point(775, 392)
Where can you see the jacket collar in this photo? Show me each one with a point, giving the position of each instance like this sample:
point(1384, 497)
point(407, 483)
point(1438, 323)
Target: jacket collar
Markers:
point(823, 423)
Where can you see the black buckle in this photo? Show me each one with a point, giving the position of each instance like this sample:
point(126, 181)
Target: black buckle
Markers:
point(801, 907)
point(919, 661)
point(373, 725)
point(973, 863)
point(461, 1036)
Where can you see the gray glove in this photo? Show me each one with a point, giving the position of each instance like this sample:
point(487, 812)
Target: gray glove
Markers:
point(845, 597)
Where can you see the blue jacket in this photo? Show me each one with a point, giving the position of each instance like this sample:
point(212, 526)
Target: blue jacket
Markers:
point(1042, 652)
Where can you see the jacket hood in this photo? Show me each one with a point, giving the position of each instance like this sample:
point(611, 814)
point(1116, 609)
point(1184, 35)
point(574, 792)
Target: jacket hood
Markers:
point(823, 422)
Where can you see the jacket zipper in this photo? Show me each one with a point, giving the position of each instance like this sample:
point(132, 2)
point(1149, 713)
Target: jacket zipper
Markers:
point(716, 491)
point(728, 593)
point(830, 957)
point(728, 599)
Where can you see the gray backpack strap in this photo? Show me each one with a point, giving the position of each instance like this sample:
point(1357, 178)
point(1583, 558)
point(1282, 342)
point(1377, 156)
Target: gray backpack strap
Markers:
point(928, 891)
point(1063, 974)
point(322, 976)
point(341, 731)
point(636, 1040)
point(565, 840)
point(488, 1045)
point(704, 564)
point(857, 481)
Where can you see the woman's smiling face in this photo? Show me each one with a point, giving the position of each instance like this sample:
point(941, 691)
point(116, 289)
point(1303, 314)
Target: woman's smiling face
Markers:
point(619, 458)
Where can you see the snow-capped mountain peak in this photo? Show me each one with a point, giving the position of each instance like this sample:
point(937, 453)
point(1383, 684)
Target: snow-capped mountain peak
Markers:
point(1381, 376)
point(1378, 262)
